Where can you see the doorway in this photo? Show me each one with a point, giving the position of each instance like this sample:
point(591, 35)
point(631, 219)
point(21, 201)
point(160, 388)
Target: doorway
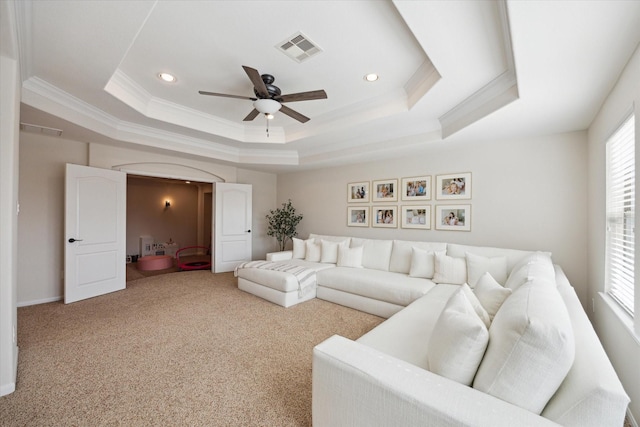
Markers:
point(164, 215)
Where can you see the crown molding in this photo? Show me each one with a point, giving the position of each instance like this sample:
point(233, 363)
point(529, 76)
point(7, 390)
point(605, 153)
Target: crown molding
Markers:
point(494, 95)
point(48, 98)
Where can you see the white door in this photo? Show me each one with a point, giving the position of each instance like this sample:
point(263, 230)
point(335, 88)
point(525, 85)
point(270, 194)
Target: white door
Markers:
point(232, 225)
point(95, 232)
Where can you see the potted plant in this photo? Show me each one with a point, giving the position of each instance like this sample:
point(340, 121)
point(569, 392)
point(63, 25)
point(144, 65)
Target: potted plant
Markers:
point(282, 223)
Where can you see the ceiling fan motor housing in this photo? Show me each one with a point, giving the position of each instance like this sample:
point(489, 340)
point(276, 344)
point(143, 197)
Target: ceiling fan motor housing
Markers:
point(273, 90)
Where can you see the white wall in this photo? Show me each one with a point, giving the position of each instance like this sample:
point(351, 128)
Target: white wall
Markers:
point(9, 149)
point(618, 338)
point(527, 194)
point(41, 223)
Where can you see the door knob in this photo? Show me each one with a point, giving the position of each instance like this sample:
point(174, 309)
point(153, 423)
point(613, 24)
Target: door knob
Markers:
point(71, 240)
point(248, 231)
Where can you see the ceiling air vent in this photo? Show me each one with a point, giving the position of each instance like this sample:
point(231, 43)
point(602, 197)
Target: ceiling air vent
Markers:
point(298, 47)
point(40, 129)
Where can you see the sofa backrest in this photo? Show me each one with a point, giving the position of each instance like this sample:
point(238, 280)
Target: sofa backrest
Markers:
point(512, 255)
point(591, 393)
point(400, 261)
point(376, 254)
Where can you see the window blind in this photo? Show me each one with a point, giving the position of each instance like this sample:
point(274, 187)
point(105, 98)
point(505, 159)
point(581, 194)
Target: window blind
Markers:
point(620, 250)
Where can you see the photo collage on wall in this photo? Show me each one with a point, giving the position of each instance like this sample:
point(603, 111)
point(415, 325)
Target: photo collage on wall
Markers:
point(415, 210)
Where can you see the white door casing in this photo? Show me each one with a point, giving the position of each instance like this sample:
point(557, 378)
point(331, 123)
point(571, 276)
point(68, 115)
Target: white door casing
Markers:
point(95, 232)
point(232, 225)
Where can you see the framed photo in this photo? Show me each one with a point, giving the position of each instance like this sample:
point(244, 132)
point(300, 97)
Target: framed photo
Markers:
point(385, 190)
point(357, 216)
point(358, 192)
point(418, 216)
point(384, 216)
point(416, 188)
point(453, 217)
point(454, 186)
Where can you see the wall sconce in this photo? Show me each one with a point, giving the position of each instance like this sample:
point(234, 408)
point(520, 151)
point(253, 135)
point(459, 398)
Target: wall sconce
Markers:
point(167, 204)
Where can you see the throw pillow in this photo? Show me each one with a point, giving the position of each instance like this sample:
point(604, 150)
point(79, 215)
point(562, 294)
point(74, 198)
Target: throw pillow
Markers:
point(350, 257)
point(313, 251)
point(477, 265)
point(531, 348)
point(449, 269)
point(422, 263)
point(476, 304)
point(490, 294)
point(458, 342)
point(329, 251)
point(299, 248)
point(536, 265)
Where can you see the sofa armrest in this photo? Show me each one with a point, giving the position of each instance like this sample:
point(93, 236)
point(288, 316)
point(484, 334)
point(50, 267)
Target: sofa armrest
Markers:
point(280, 256)
point(355, 385)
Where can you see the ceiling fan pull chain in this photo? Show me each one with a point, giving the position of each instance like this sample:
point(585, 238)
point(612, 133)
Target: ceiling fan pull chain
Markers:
point(267, 125)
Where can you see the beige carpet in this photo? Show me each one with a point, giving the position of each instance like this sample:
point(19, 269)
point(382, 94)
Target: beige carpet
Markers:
point(180, 349)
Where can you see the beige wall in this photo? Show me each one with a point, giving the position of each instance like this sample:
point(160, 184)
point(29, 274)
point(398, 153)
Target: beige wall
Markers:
point(614, 328)
point(527, 194)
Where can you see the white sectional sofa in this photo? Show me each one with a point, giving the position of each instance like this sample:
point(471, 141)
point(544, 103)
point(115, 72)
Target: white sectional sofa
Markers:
point(474, 336)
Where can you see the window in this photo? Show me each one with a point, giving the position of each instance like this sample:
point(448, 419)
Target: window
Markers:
point(621, 179)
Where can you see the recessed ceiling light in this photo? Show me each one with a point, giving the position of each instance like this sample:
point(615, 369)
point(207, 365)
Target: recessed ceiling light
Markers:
point(169, 78)
point(371, 77)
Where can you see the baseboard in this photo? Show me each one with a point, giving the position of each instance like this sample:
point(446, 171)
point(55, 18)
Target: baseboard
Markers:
point(631, 419)
point(38, 301)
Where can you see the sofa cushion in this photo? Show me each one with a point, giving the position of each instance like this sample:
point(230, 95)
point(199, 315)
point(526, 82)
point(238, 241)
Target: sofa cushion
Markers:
point(449, 269)
point(537, 264)
point(299, 248)
point(406, 334)
point(490, 294)
point(477, 265)
point(279, 280)
point(330, 251)
point(422, 263)
point(458, 341)
point(350, 257)
point(402, 251)
point(476, 304)
point(376, 254)
point(313, 251)
point(531, 348)
point(393, 288)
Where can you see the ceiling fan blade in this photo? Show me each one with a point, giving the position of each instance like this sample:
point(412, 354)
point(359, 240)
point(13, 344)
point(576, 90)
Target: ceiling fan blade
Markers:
point(255, 78)
point(294, 114)
point(303, 96)
point(202, 92)
point(252, 115)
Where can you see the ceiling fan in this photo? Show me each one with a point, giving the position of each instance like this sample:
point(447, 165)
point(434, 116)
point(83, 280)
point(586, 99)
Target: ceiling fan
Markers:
point(268, 97)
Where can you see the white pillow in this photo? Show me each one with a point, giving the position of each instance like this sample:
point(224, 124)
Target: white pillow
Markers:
point(422, 263)
point(490, 294)
point(350, 257)
point(458, 342)
point(477, 265)
point(476, 304)
point(330, 251)
point(536, 265)
point(299, 248)
point(313, 251)
point(449, 269)
point(531, 348)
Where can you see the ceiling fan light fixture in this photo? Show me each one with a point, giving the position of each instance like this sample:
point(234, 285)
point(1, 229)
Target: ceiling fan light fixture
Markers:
point(267, 106)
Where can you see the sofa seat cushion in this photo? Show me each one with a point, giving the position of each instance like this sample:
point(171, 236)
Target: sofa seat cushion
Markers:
point(279, 280)
point(531, 348)
point(393, 288)
point(406, 334)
